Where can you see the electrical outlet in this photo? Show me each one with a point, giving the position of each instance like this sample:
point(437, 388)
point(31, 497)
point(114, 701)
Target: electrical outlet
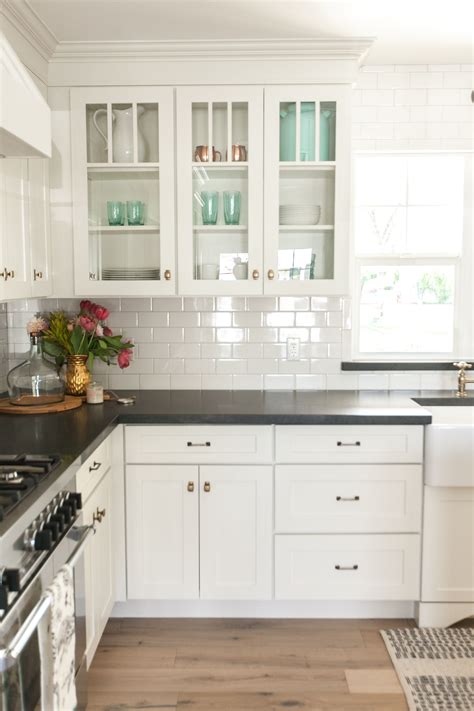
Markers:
point(293, 348)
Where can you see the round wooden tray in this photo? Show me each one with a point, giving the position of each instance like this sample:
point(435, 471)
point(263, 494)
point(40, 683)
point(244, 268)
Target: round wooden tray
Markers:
point(69, 403)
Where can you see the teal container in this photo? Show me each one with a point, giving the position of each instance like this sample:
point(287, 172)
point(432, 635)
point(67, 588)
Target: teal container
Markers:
point(288, 131)
point(327, 131)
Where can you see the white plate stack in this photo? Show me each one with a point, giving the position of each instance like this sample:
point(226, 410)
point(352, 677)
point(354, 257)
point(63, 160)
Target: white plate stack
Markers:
point(130, 273)
point(300, 214)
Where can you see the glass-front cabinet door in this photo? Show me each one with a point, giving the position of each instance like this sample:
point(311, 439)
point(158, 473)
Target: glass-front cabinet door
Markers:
point(307, 184)
point(123, 188)
point(220, 189)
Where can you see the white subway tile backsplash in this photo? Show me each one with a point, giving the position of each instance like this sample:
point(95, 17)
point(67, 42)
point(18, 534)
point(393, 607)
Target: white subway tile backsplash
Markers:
point(186, 350)
point(247, 350)
point(155, 382)
point(263, 335)
point(262, 365)
point(199, 303)
point(373, 381)
point(311, 318)
point(169, 365)
point(247, 318)
point(185, 382)
point(152, 318)
point(404, 381)
point(457, 80)
point(216, 382)
point(216, 318)
point(200, 365)
point(326, 303)
point(444, 97)
point(247, 382)
point(168, 303)
point(186, 318)
point(199, 335)
point(153, 350)
point(294, 366)
point(121, 381)
point(393, 80)
point(377, 97)
point(294, 303)
point(279, 382)
point(169, 335)
point(410, 97)
point(230, 303)
point(310, 382)
point(231, 335)
point(136, 304)
point(262, 303)
point(278, 318)
point(426, 80)
point(326, 335)
point(301, 333)
point(218, 350)
point(231, 365)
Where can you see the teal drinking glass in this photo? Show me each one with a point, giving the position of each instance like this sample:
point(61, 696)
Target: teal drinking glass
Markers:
point(115, 213)
point(232, 207)
point(135, 212)
point(210, 202)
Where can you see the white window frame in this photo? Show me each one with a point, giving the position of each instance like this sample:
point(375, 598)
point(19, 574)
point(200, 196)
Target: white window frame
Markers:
point(463, 303)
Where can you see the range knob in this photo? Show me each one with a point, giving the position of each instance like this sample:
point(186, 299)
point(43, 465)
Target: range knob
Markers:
point(73, 496)
point(54, 527)
point(11, 579)
point(66, 510)
point(43, 540)
point(60, 519)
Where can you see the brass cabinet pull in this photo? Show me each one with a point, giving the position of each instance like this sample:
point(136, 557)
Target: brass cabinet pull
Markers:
point(348, 444)
point(255, 274)
point(190, 486)
point(207, 486)
point(271, 274)
point(167, 275)
point(92, 276)
point(37, 274)
point(95, 466)
point(99, 515)
point(346, 567)
point(347, 498)
point(8, 274)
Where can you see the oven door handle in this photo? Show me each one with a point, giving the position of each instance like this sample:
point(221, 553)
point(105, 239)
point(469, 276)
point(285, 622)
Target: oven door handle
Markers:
point(10, 653)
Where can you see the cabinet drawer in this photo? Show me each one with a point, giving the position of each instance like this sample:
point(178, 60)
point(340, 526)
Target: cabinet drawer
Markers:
point(198, 444)
point(94, 468)
point(348, 498)
point(342, 567)
point(349, 443)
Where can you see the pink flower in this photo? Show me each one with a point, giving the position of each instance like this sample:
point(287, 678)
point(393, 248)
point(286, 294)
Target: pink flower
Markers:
point(100, 312)
point(86, 305)
point(99, 331)
point(70, 326)
point(86, 323)
point(124, 358)
point(107, 331)
point(36, 325)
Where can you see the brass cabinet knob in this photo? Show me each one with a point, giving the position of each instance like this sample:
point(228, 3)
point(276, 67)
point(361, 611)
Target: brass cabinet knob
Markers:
point(255, 274)
point(99, 515)
point(37, 274)
point(167, 275)
point(207, 486)
point(8, 274)
point(190, 486)
point(271, 274)
point(92, 276)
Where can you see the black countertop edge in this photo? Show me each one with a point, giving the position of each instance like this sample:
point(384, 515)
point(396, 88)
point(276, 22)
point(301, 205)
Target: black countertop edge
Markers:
point(399, 365)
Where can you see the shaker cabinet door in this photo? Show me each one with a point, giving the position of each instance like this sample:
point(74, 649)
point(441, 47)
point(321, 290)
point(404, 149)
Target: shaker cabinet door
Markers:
point(236, 532)
point(123, 190)
point(39, 227)
point(220, 195)
point(306, 189)
point(15, 242)
point(162, 532)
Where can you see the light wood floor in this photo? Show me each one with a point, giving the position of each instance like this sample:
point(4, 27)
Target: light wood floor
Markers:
point(245, 665)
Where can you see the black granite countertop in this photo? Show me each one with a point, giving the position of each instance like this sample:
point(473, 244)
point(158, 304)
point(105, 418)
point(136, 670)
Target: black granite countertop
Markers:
point(78, 432)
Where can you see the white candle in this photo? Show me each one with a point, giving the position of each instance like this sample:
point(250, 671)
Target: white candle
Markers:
point(95, 394)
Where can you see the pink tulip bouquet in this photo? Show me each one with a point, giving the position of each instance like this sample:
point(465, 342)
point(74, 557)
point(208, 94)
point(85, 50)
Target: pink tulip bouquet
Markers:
point(86, 334)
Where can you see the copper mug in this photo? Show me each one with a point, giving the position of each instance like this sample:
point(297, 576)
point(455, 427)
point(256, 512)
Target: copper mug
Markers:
point(201, 154)
point(238, 153)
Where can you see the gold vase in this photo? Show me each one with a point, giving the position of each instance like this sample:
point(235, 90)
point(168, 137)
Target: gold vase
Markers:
point(77, 375)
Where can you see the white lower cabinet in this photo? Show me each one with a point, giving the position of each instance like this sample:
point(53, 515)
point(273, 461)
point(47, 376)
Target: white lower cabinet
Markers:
point(162, 507)
point(98, 558)
point(236, 532)
point(199, 532)
point(448, 550)
point(347, 567)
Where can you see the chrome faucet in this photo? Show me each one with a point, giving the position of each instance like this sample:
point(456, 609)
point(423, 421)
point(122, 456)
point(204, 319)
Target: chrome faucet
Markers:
point(462, 380)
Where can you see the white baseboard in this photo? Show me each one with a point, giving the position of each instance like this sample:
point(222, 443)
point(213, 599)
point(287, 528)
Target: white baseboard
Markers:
point(264, 609)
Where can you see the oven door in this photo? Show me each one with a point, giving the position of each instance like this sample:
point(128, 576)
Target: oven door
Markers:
point(20, 672)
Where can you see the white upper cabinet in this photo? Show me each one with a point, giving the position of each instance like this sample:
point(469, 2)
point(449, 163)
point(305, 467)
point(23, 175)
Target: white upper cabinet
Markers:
point(306, 189)
point(39, 227)
point(15, 266)
point(123, 190)
point(220, 189)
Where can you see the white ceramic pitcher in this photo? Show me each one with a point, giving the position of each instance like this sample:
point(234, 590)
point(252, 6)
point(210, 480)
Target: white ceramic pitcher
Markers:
point(122, 134)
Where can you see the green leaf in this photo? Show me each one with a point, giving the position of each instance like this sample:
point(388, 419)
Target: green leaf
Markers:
point(76, 339)
point(90, 362)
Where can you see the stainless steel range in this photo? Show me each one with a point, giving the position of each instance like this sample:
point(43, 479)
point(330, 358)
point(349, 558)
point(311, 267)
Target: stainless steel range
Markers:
point(40, 529)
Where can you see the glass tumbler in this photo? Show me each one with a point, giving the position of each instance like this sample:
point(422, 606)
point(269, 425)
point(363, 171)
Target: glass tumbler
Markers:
point(210, 201)
point(115, 213)
point(135, 212)
point(231, 207)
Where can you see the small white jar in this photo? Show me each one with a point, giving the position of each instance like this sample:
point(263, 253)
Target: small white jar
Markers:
point(95, 394)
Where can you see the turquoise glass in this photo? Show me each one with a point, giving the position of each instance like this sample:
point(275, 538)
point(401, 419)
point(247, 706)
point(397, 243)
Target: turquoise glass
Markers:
point(327, 131)
point(135, 212)
point(232, 207)
point(209, 209)
point(115, 213)
point(288, 131)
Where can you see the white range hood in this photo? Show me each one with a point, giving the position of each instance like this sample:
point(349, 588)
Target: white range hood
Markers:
point(25, 117)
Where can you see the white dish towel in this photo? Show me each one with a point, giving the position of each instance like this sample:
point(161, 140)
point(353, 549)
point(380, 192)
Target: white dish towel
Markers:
point(57, 642)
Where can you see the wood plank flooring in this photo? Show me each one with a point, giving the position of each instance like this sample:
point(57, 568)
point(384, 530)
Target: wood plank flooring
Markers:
point(245, 665)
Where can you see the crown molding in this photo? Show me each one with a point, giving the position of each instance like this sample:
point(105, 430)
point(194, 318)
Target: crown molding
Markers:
point(355, 49)
point(28, 23)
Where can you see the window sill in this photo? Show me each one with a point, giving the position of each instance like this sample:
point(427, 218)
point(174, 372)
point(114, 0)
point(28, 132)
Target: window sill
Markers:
point(398, 365)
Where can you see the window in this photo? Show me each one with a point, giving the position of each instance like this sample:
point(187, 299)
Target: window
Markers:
point(413, 256)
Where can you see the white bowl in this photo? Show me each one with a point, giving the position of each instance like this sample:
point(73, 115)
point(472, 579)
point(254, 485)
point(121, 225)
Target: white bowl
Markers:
point(300, 214)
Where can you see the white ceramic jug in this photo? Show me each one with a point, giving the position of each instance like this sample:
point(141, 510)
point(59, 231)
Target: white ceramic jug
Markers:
point(122, 135)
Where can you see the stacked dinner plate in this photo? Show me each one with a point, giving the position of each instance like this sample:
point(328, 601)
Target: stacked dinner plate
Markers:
point(300, 214)
point(130, 273)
